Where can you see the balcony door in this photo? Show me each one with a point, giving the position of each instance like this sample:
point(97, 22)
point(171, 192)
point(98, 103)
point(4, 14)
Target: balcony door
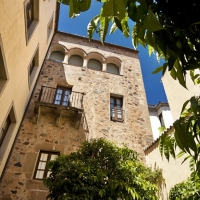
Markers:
point(62, 96)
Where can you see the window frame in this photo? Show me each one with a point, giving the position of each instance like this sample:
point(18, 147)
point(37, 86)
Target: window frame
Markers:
point(115, 118)
point(94, 68)
point(107, 66)
point(33, 67)
point(57, 60)
point(29, 8)
point(3, 68)
point(73, 63)
point(48, 159)
point(4, 129)
point(62, 95)
point(30, 25)
point(11, 116)
point(160, 117)
point(50, 27)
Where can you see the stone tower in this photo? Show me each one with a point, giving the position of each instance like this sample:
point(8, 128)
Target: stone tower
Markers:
point(85, 90)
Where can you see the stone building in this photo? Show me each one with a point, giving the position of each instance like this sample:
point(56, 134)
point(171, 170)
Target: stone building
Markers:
point(85, 90)
point(25, 35)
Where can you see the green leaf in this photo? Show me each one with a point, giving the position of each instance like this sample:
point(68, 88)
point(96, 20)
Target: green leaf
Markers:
point(173, 73)
point(184, 105)
point(113, 28)
point(151, 23)
point(150, 50)
point(150, 39)
point(73, 9)
point(92, 26)
point(180, 140)
point(143, 4)
point(164, 68)
point(171, 62)
point(114, 8)
point(103, 29)
point(181, 77)
point(125, 27)
point(134, 37)
point(84, 5)
point(161, 143)
point(157, 70)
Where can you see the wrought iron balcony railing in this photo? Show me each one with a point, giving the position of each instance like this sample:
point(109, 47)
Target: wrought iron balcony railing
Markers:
point(61, 97)
point(117, 115)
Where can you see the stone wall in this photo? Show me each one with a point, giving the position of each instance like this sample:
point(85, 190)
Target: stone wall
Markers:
point(18, 182)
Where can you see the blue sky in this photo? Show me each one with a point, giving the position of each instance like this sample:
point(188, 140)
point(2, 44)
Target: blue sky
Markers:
point(153, 86)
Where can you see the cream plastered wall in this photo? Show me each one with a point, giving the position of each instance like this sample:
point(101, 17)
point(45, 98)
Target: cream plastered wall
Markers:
point(173, 171)
point(18, 54)
point(177, 94)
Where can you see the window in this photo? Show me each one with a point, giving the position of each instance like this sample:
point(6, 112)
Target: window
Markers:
point(116, 112)
point(4, 129)
point(62, 96)
point(112, 68)
point(32, 69)
point(50, 27)
point(3, 73)
point(41, 167)
point(29, 13)
point(57, 56)
point(31, 16)
point(94, 64)
point(161, 119)
point(7, 127)
point(76, 60)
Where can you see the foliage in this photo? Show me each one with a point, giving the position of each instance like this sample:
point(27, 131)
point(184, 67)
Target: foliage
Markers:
point(188, 190)
point(186, 135)
point(164, 26)
point(101, 170)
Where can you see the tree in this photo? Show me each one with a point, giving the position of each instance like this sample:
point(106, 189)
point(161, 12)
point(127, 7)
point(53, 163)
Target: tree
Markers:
point(101, 170)
point(188, 190)
point(170, 28)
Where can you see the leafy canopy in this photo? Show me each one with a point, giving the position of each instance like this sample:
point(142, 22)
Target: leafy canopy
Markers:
point(101, 170)
point(188, 190)
point(169, 28)
point(186, 135)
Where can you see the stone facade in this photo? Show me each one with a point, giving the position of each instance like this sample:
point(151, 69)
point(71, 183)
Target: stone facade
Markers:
point(56, 129)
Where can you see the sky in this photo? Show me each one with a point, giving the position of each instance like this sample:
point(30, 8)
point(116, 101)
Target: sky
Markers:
point(153, 86)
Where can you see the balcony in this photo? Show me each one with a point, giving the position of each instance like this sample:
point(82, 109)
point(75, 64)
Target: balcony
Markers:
point(63, 97)
point(117, 115)
point(59, 101)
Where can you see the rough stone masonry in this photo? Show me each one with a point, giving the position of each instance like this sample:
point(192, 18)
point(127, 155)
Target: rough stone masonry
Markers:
point(18, 182)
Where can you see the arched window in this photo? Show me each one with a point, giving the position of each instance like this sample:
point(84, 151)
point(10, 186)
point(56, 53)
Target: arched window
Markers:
point(76, 60)
point(112, 68)
point(57, 56)
point(94, 64)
